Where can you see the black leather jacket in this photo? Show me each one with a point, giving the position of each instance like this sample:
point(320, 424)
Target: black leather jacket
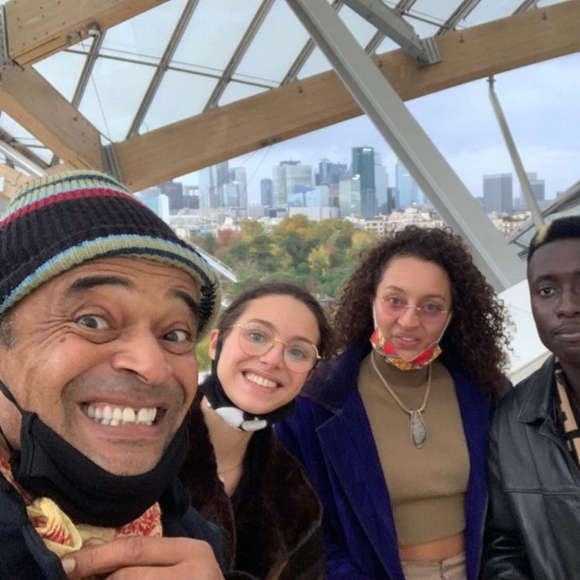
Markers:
point(533, 527)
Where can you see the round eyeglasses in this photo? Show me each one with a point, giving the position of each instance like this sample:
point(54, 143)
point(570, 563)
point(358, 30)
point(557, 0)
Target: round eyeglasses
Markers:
point(300, 356)
point(395, 307)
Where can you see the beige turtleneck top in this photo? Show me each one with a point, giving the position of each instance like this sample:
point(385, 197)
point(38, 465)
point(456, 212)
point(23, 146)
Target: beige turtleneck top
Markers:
point(426, 485)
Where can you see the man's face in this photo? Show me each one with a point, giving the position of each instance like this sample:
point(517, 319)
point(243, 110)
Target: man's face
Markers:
point(554, 279)
point(104, 354)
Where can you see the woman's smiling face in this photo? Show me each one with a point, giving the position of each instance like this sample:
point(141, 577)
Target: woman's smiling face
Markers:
point(260, 384)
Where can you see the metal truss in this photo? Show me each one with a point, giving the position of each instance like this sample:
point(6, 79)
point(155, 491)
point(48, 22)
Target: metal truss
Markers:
point(526, 5)
point(162, 67)
point(515, 157)
point(462, 11)
point(239, 53)
point(305, 53)
point(392, 24)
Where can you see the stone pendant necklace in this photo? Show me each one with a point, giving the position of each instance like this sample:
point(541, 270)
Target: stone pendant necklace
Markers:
point(416, 421)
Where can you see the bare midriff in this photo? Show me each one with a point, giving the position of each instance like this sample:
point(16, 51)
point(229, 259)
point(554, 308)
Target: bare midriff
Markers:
point(433, 551)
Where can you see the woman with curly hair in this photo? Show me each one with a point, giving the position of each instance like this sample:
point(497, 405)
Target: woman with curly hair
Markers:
point(394, 430)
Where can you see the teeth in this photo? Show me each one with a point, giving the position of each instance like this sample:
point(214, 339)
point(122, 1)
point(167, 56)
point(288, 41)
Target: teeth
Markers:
point(114, 416)
point(128, 415)
point(261, 381)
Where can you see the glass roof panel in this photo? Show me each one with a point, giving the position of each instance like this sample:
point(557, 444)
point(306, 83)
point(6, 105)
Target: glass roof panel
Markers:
point(214, 33)
point(439, 11)
point(422, 29)
point(360, 28)
point(45, 154)
point(387, 45)
point(236, 91)
point(316, 63)
point(146, 34)
point(275, 47)
point(53, 70)
point(16, 130)
point(113, 95)
point(488, 10)
point(180, 95)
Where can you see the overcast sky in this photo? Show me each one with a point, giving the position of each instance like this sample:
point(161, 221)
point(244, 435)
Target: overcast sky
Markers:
point(541, 103)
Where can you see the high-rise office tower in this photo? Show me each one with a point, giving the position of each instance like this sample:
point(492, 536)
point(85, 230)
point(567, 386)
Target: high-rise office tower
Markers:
point(237, 188)
point(408, 192)
point(381, 184)
point(266, 197)
point(286, 177)
point(538, 186)
point(363, 164)
point(329, 173)
point(212, 184)
point(497, 193)
point(349, 195)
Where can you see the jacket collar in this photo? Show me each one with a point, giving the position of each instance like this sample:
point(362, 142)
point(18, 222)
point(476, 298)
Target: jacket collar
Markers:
point(333, 382)
point(539, 394)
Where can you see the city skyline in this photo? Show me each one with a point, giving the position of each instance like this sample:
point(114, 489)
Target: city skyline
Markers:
point(541, 109)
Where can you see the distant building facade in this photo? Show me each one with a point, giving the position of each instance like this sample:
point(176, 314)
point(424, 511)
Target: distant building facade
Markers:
point(212, 185)
point(350, 196)
point(408, 192)
point(286, 177)
point(266, 192)
point(363, 164)
point(498, 193)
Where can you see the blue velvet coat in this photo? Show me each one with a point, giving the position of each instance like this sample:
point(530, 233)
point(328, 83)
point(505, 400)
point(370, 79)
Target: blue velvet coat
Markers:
point(330, 433)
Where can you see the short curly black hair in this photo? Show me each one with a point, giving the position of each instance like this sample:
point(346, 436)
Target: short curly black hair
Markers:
point(477, 337)
point(560, 229)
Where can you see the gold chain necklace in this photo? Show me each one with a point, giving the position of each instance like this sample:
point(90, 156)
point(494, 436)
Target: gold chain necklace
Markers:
point(416, 421)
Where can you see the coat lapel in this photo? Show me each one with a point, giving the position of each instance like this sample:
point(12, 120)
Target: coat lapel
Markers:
point(475, 417)
point(346, 439)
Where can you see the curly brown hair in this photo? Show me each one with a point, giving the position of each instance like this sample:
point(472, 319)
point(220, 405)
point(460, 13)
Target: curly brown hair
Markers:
point(477, 337)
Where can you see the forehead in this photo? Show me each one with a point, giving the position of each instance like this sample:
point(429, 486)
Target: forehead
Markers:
point(558, 258)
point(415, 276)
point(283, 313)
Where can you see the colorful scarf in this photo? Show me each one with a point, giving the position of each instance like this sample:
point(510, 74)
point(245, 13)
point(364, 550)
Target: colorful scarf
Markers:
point(62, 536)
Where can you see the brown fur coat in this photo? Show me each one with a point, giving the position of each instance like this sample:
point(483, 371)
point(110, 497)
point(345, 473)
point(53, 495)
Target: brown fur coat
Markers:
point(272, 523)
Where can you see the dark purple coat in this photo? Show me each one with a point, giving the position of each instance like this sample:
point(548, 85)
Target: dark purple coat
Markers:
point(330, 433)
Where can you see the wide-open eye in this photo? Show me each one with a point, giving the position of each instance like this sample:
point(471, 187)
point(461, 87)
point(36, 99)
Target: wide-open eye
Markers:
point(93, 322)
point(177, 335)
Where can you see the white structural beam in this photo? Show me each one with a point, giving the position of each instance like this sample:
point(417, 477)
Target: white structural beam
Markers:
point(20, 160)
point(393, 25)
point(531, 201)
point(411, 144)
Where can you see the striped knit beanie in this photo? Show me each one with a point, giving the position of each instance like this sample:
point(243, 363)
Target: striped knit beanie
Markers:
point(59, 222)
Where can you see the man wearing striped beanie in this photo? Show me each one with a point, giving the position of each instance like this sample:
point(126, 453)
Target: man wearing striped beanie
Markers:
point(101, 305)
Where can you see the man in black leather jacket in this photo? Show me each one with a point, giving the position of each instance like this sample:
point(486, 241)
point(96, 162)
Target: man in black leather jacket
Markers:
point(534, 512)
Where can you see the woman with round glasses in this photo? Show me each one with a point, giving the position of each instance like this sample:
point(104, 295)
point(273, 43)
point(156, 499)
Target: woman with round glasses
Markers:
point(266, 344)
point(394, 431)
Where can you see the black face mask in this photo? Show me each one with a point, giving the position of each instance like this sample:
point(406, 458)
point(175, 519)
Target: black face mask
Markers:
point(233, 415)
point(49, 466)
